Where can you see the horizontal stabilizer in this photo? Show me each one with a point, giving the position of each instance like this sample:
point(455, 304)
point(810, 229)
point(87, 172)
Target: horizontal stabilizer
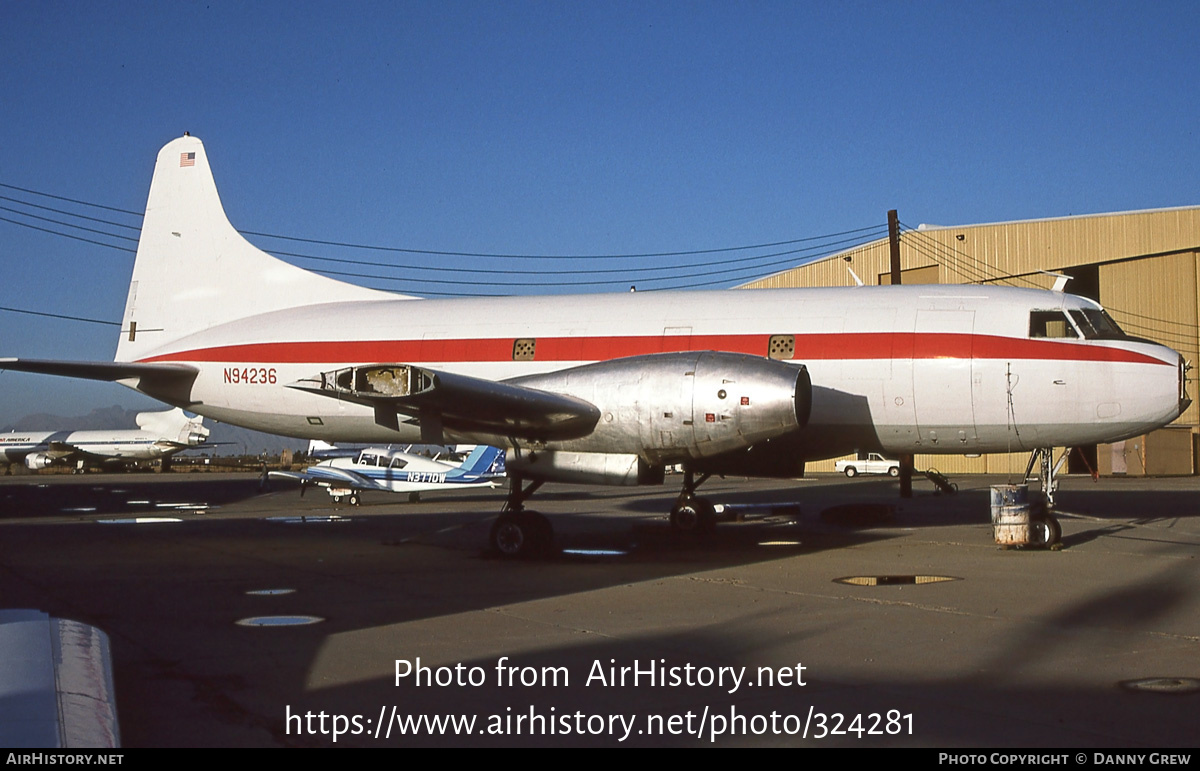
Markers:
point(169, 382)
point(101, 370)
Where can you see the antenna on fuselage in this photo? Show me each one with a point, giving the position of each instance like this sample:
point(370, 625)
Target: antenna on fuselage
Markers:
point(1060, 280)
point(857, 280)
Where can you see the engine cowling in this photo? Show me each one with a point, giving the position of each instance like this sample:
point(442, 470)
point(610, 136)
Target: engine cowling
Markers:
point(38, 460)
point(671, 407)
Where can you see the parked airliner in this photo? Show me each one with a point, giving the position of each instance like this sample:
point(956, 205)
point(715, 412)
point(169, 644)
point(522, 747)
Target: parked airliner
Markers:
point(614, 387)
point(159, 435)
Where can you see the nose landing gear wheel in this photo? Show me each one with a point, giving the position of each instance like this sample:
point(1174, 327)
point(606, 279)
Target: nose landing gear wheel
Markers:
point(1045, 531)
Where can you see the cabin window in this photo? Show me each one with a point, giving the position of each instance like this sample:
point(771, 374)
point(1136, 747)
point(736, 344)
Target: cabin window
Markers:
point(1051, 324)
point(524, 348)
point(1097, 325)
point(367, 459)
point(781, 346)
point(399, 463)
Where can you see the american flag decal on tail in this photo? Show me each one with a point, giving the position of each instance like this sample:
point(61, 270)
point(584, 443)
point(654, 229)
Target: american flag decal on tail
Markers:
point(187, 159)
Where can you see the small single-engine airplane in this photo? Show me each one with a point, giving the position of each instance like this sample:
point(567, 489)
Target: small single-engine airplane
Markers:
point(612, 388)
point(396, 471)
point(161, 435)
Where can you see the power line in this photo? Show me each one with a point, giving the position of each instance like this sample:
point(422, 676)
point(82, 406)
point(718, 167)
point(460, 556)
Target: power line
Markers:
point(61, 316)
point(492, 255)
point(447, 253)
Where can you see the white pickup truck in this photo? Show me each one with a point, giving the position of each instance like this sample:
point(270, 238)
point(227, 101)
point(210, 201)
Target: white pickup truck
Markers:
point(874, 464)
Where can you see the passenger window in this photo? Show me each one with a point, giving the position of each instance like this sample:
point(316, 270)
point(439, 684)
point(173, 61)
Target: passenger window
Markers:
point(1050, 324)
point(399, 463)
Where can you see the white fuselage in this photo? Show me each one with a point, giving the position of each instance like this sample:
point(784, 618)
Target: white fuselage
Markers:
point(922, 369)
point(115, 444)
point(400, 472)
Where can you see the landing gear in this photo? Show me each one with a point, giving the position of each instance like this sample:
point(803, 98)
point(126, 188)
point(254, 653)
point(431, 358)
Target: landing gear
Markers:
point(518, 532)
point(1044, 528)
point(1047, 471)
point(691, 513)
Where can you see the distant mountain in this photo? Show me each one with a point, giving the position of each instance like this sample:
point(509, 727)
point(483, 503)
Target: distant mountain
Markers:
point(224, 439)
point(98, 419)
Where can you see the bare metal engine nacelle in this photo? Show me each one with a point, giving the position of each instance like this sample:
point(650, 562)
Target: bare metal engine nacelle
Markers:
point(38, 460)
point(672, 407)
point(584, 468)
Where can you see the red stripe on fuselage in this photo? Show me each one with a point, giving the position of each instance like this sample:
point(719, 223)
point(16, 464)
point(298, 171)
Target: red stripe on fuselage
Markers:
point(815, 347)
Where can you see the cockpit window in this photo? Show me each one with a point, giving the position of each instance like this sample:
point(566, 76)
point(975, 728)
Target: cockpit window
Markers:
point(1052, 324)
point(1097, 325)
point(367, 459)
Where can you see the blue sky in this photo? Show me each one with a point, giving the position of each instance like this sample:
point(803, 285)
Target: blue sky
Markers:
point(556, 128)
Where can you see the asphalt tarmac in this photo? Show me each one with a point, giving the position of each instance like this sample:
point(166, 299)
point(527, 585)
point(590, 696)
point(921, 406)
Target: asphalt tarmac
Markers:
point(631, 635)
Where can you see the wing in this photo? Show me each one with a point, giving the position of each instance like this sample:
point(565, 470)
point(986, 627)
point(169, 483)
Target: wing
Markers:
point(327, 476)
point(444, 400)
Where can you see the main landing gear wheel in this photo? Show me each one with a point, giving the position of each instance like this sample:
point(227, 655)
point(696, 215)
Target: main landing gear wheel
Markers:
point(522, 535)
point(693, 515)
point(518, 532)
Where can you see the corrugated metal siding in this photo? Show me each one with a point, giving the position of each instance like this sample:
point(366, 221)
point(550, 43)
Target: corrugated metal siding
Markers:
point(1157, 298)
point(1008, 248)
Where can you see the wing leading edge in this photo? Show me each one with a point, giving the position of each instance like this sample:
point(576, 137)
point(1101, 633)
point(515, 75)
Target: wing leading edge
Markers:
point(441, 400)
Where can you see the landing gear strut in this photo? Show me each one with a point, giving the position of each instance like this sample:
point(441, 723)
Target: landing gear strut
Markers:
point(518, 532)
point(1044, 528)
point(691, 513)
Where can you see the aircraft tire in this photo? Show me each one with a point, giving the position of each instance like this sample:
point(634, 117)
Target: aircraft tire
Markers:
point(693, 515)
point(522, 535)
point(353, 500)
point(1045, 531)
point(851, 472)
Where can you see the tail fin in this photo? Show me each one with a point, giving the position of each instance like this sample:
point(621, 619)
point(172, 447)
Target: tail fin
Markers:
point(194, 271)
point(481, 460)
point(175, 426)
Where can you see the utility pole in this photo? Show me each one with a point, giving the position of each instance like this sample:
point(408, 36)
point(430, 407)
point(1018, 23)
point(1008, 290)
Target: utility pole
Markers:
point(906, 461)
point(894, 244)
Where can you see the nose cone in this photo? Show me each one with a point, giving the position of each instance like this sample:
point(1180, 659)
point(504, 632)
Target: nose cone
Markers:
point(1142, 389)
point(1185, 401)
point(1162, 396)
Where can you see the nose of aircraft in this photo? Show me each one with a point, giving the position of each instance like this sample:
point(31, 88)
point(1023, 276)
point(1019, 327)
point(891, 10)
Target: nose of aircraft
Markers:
point(1185, 401)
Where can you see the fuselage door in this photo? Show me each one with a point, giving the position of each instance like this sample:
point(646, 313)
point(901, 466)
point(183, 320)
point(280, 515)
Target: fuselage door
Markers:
point(943, 363)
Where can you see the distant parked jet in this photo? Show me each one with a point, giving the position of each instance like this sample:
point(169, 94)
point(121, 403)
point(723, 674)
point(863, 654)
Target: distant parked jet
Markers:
point(161, 434)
